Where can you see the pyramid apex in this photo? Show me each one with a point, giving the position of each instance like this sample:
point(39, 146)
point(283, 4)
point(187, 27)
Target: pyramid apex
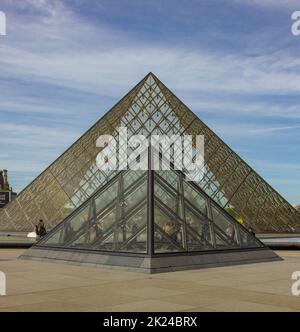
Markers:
point(151, 74)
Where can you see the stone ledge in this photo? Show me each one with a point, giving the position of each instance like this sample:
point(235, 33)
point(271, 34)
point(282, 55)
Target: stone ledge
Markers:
point(155, 264)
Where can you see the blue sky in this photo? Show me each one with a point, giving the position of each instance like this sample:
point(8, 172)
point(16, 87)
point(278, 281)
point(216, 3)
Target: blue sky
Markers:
point(235, 63)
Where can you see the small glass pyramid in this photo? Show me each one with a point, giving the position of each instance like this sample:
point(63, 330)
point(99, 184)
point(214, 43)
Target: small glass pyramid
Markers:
point(151, 214)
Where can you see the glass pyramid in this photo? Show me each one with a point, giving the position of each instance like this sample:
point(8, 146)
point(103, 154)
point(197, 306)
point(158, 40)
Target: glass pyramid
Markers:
point(150, 212)
point(151, 108)
point(146, 216)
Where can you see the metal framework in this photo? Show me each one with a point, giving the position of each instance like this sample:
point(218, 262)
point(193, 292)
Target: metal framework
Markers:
point(149, 108)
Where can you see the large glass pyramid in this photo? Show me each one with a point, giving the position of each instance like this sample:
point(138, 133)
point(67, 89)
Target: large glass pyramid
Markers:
point(150, 108)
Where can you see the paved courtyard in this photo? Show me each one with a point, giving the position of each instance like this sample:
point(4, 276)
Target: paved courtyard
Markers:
point(36, 286)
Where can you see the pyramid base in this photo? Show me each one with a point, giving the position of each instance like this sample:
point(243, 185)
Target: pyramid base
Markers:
point(156, 264)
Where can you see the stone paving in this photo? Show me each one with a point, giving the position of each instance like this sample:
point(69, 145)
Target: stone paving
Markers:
point(37, 286)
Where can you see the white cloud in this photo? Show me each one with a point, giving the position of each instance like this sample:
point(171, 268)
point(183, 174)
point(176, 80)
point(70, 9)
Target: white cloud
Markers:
point(110, 71)
point(240, 129)
point(31, 136)
point(75, 54)
point(46, 11)
point(274, 129)
point(251, 108)
point(270, 3)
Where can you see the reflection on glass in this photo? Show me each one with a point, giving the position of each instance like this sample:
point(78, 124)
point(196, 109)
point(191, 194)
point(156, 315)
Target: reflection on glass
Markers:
point(167, 233)
point(171, 201)
point(221, 242)
point(195, 198)
point(106, 197)
point(248, 241)
point(225, 226)
point(170, 177)
point(131, 176)
point(198, 232)
point(79, 219)
point(94, 235)
point(132, 235)
point(133, 198)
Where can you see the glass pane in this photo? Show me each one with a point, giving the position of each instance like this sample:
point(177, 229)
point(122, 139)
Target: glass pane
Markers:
point(106, 197)
point(132, 235)
point(54, 239)
point(94, 233)
point(167, 233)
point(170, 177)
point(247, 240)
point(105, 227)
point(130, 177)
point(167, 198)
point(86, 239)
point(198, 232)
point(227, 227)
point(135, 197)
point(195, 198)
point(72, 225)
point(220, 242)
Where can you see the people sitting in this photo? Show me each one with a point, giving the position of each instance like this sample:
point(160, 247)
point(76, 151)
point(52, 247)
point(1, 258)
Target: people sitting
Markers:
point(40, 229)
point(171, 228)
